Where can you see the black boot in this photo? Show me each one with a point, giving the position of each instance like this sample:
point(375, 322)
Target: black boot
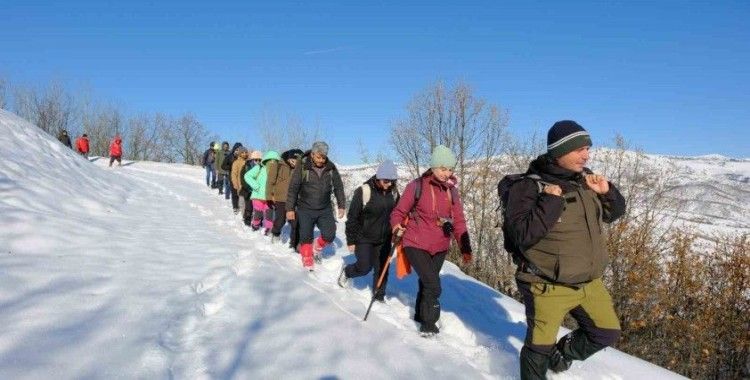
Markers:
point(577, 346)
point(533, 364)
point(558, 362)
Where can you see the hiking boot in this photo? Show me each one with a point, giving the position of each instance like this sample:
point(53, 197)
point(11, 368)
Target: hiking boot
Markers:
point(557, 360)
point(236, 211)
point(343, 281)
point(428, 329)
point(305, 251)
point(255, 228)
point(380, 297)
point(318, 245)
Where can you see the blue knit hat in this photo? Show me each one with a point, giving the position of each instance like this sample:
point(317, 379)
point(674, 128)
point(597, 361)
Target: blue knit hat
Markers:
point(566, 136)
point(387, 170)
point(442, 156)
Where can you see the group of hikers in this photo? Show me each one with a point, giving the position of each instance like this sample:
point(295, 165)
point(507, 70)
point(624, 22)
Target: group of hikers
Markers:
point(82, 146)
point(552, 222)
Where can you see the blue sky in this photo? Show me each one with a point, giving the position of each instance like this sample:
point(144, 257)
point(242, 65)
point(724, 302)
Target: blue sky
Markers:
point(673, 77)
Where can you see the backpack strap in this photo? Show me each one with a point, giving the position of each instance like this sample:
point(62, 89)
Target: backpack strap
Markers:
point(366, 193)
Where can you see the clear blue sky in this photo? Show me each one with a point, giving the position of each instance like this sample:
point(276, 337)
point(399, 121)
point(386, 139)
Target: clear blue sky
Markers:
point(671, 76)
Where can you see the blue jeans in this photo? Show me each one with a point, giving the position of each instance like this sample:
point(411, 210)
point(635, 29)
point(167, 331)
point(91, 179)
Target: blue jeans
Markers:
point(227, 186)
point(210, 175)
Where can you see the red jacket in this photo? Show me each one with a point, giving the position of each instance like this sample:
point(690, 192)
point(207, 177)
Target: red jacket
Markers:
point(82, 144)
point(115, 148)
point(423, 230)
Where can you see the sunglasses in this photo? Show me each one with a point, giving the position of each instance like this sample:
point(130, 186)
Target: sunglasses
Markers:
point(387, 181)
point(255, 159)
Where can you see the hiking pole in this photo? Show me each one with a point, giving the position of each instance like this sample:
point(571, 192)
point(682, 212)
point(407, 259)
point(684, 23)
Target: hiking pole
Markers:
point(382, 274)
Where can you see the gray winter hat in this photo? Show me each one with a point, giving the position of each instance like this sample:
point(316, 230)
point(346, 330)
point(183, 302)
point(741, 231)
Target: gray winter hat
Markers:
point(320, 147)
point(387, 170)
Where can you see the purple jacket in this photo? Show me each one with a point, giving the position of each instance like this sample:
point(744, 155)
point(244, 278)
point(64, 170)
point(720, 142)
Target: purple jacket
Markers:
point(424, 231)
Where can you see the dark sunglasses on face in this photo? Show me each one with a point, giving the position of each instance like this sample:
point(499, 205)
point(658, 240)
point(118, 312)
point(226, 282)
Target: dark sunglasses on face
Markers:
point(386, 181)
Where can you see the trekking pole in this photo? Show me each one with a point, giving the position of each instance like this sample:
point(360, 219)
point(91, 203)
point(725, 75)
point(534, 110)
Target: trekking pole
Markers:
point(382, 274)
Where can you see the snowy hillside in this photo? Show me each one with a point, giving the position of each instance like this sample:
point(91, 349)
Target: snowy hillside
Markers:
point(140, 271)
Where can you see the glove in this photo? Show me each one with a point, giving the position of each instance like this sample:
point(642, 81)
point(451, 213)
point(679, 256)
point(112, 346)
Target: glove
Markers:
point(467, 257)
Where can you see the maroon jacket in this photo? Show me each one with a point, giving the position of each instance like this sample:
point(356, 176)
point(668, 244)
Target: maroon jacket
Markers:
point(423, 230)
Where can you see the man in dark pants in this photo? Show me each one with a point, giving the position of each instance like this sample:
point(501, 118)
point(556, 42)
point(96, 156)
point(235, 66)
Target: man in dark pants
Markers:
point(310, 188)
point(554, 217)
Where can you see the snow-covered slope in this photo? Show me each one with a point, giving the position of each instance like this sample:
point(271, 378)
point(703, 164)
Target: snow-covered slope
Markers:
point(141, 271)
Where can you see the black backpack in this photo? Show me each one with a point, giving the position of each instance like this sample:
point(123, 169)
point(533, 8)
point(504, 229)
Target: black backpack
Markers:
point(503, 189)
point(246, 168)
point(227, 163)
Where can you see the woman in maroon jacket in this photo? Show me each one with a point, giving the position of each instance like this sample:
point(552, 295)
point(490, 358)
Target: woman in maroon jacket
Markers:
point(435, 216)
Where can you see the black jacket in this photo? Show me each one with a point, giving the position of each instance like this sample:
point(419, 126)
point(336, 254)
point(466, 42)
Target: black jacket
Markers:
point(208, 157)
point(370, 224)
point(310, 191)
point(530, 215)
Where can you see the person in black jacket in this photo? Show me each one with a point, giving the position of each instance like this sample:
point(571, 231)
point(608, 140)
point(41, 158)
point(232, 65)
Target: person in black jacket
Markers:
point(309, 201)
point(555, 216)
point(207, 162)
point(64, 138)
point(368, 230)
point(226, 166)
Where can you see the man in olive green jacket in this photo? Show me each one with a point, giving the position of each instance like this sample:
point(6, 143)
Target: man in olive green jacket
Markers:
point(554, 217)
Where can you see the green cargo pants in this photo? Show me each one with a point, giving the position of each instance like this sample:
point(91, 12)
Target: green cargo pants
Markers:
point(547, 304)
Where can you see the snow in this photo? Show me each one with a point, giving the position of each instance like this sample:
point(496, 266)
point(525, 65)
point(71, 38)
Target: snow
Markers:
point(141, 271)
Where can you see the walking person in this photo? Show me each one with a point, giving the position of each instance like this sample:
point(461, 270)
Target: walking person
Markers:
point(554, 218)
point(246, 192)
point(257, 178)
point(64, 138)
point(82, 145)
point(223, 175)
point(368, 230)
point(209, 156)
point(433, 206)
point(277, 189)
point(115, 151)
point(226, 167)
point(236, 176)
point(309, 201)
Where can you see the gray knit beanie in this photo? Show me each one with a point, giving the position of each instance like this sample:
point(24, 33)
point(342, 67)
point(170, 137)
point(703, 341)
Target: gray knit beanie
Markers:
point(320, 147)
point(387, 170)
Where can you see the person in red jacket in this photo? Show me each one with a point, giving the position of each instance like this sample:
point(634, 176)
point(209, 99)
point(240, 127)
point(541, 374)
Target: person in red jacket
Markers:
point(82, 145)
point(115, 151)
point(435, 215)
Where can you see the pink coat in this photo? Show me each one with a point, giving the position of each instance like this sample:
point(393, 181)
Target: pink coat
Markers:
point(423, 230)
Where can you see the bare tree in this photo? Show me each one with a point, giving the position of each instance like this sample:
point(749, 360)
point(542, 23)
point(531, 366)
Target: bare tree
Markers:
point(51, 109)
point(281, 131)
point(190, 136)
point(3, 93)
point(475, 131)
point(102, 124)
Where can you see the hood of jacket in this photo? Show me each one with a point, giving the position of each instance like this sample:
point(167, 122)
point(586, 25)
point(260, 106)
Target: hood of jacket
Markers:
point(270, 155)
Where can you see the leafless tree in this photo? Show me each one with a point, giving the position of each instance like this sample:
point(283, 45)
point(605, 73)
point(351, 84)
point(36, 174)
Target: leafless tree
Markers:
point(101, 124)
point(3, 93)
point(476, 132)
point(281, 131)
point(51, 110)
point(190, 136)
